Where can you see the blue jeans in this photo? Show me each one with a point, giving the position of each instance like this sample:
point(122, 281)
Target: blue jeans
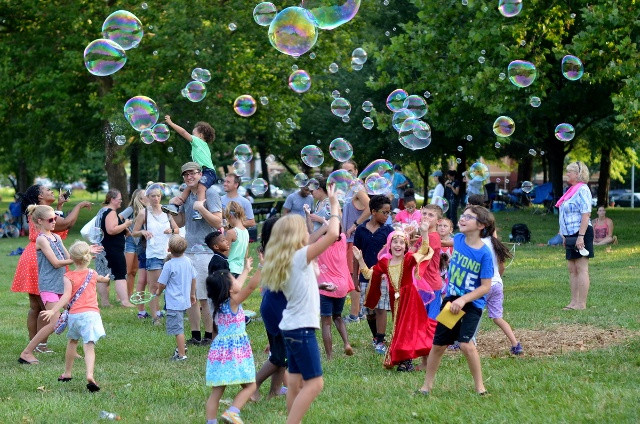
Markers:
point(303, 354)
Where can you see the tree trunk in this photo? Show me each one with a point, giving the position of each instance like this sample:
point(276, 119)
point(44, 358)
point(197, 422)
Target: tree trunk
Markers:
point(262, 149)
point(24, 179)
point(556, 154)
point(162, 170)
point(525, 169)
point(545, 169)
point(134, 164)
point(605, 175)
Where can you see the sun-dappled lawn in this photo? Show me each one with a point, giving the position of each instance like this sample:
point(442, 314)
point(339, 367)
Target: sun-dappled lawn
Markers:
point(579, 366)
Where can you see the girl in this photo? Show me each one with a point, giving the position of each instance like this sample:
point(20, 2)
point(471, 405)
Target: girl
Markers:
point(84, 315)
point(470, 273)
point(238, 237)
point(445, 230)
point(52, 257)
point(131, 243)
point(412, 334)
point(230, 360)
point(410, 214)
point(288, 269)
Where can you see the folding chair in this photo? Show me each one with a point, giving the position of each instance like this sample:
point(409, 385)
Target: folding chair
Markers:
point(544, 197)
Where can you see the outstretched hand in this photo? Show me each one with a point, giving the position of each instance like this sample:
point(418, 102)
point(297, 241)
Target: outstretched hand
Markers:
point(357, 253)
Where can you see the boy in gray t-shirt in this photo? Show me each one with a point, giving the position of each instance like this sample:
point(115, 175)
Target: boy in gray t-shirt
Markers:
point(178, 281)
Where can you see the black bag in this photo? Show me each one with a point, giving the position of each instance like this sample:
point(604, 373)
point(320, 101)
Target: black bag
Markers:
point(520, 233)
point(570, 241)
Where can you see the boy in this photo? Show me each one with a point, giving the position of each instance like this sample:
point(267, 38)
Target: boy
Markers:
point(203, 134)
point(220, 246)
point(370, 237)
point(178, 276)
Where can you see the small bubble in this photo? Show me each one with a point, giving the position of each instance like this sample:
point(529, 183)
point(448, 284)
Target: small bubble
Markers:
point(312, 56)
point(150, 27)
point(345, 118)
point(427, 94)
point(465, 2)
point(278, 125)
point(506, 180)
point(502, 76)
point(170, 149)
point(497, 145)
point(347, 91)
point(532, 152)
point(460, 148)
point(483, 52)
point(155, 53)
point(458, 160)
point(541, 152)
point(469, 137)
point(498, 180)
point(481, 59)
point(333, 68)
point(145, 6)
point(573, 16)
point(523, 43)
point(385, 2)
point(264, 100)
point(394, 28)
point(387, 33)
point(197, 52)
point(232, 26)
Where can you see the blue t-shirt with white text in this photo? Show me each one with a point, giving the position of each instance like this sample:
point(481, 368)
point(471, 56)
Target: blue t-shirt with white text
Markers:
point(467, 267)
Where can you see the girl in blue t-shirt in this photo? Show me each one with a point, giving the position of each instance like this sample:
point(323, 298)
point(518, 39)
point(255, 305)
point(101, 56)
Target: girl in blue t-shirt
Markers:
point(470, 272)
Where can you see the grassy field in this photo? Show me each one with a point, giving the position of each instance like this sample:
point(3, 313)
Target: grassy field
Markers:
point(579, 366)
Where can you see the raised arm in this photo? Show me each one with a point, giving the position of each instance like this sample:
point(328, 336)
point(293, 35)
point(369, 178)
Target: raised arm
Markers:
point(333, 230)
point(242, 294)
point(177, 128)
point(69, 220)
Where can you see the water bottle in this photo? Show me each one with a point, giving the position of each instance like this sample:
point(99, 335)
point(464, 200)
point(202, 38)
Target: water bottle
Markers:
point(109, 416)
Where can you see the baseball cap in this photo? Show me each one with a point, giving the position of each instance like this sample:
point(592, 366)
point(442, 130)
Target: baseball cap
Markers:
point(190, 166)
point(437, 174)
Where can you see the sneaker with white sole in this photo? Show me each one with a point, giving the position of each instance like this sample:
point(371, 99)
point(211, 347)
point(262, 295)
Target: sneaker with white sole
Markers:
point(231, 418)
point(349, 319)
point(381, 348)
point(178, 358)
point(517, 349)
point(196, 216)
point(170, 208)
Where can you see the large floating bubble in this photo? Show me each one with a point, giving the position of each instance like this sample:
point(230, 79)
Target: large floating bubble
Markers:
point(312, 156)
point(415, 134)
point(416, 105)
point(504, 126)
point(123, 28)
point(163, 188)
point(359, 56)
point(377, 184)
point(479, 172)
point(442, 202)
point(329, 14)
point(293, 31)
point(527, 186)
point(301, 179)
point(300, 81)
point(243, 153)
point(141, 112)
point(104, 57)
point(264, 13)
point(378, 166)
point(509, 8)
point(160, 132)
point(395, 100)
point(239, 168)
point(521, 73)
point(202, 75)
point(244, 105)
point(572, 68)
point(146, 136)
point(399, 117)
point(340, 107)
point(195, 91)
point(342, 181)
point(340, 149)
point(259, 186)
point(313, 184)
point(565, 132)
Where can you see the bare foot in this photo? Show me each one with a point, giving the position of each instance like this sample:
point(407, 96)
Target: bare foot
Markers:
point(348, 350)
point(27, 358)
point(77, 356)
point(255, 397)
point(127, 305)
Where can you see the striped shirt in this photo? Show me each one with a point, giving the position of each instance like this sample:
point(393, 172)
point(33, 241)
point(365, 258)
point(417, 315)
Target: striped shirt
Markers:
point(572, 209)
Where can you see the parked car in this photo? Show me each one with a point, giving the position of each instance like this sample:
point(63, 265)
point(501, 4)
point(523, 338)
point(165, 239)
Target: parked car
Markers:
point(624, 200)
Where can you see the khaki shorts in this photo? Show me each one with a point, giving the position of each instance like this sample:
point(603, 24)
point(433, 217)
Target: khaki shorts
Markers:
point(200, 262)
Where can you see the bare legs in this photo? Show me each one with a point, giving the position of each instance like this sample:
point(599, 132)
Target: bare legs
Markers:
point(578, 282)
point(121, 291)
point(103, 293)
point(300, 394)
point(381, 321)
point(40, 337)
point(473, 359)
point(140, 286)
point(34, 322)
point(506, 329)
point(180, 343)
point(89, 359)
point(132, 270)
point(327, 339)
point(239, 401)
point(195, 314)
point(276, 373)
point(152, 284)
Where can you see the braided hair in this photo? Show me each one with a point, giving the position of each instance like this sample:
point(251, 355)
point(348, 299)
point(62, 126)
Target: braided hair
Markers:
point(31, 196)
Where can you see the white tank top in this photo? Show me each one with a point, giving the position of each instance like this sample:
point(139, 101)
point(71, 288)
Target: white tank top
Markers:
point(157, 245)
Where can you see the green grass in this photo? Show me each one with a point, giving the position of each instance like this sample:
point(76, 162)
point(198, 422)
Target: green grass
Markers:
point(140, 384)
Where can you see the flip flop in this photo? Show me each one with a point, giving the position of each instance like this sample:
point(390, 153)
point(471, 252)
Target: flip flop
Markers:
point(568, 308)
point(93, 387)
point(64, 379)
point(25, 362)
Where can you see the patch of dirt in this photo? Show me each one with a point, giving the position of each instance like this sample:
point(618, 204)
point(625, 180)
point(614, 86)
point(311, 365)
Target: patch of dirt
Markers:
point(553, 341)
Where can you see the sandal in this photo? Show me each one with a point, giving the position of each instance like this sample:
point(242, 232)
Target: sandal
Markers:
point(64, 379)
point(93, 387)
point(43, 348)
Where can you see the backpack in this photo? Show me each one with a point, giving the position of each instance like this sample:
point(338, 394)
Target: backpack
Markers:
point(520, 233)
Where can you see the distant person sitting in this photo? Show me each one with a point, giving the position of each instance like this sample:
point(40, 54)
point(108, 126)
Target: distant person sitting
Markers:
point(603, 229)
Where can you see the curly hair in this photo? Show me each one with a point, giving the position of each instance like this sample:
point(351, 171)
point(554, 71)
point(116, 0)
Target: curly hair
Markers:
point(29, 197)
point(207, 131)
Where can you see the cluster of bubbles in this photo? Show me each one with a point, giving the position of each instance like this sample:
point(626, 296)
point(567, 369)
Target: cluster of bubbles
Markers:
point(121, 31)
point(142, 114)
point(358, 58)
point(245, 105)
point(195, 90)
point(243, 155)
point(414, 133)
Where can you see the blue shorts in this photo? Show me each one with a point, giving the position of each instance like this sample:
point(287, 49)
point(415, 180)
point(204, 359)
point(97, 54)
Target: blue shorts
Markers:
point(86, 326)
point(153, 264)
point(142, 257)
point(130, 245)
point(303, 354)
point(277, 349)
point(209, 177)
point(331, 306)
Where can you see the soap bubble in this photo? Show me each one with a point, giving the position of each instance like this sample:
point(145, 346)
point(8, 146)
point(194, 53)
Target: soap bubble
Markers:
point(96, 235)
point(184, 92)
point(243, 153)
point(521, 73)
point(160, 132)
point(399, 117)
point(469, 137)
point(356, 66)
point(146, 136)
point(245, 105)
point(442, 202)
point(202, 75)
point(342, 181)
point(565, 132)
point(416, 105)
point(301, 179)
point(458, 161)
point(104, 57)
point(264, 13)
point(293, 31)
point(340, 107)
point(415, 134)
point(527, 186)
point(240, 168)
point(532, 152)
point(264, 100)
point(367, 106)
point(359, 56)
point(340, 149)
point(497, 145)
point(346, 118)
point(300, 81)
point(294, 67)
point(164, 189)
point(120, 140)
point(329, 14)
point(333, 68)
point(313, 184)
point(504, 126)
point(460, 148)
point(377, 184)
point(378, 166)
point(312, 156)
point(367, 123)
point(395, 100)
point(312, 55)
point(123, 28)
point(509, 8)
point(502, 76)
point(259, 186)
point(535, 101)
point(427, 94)
point(196, 91)
point(232, 27)
point(572, 68)
point(170, 149)
point(141, 112)
point(145, 6)
point(481, 60)
point(270, 159)
point(479, 172)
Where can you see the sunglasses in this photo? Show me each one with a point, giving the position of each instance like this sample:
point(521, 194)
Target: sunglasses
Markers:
point(52, 220)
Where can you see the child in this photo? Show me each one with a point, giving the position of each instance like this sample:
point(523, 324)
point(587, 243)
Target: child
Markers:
point(412, 334)
point(470, 272)
point(237, 235)
point(230, 360)
point(178, 281)
point(410, 214)
point(203, 133)
point(288, 269)
point(84, 315)
point(445, 230)
point(52, 258)
point(220, 246)
point(370, 238)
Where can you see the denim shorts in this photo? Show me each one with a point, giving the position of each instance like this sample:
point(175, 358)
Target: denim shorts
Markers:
point(277, 349)
point(208, 177)
point(331, 306)
point(86, 326)
point(142, 257)
point(303, 354)
point(154, 264)
point(130, 245)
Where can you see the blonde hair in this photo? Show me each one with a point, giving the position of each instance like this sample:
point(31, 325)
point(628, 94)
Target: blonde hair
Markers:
point(80, 253)
point(234, 208)
point(177, 245)
point(436, 208)
point(448, 221)
point(135, 202)
point(581, 169)
point(287, 236)
point(37, 212)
